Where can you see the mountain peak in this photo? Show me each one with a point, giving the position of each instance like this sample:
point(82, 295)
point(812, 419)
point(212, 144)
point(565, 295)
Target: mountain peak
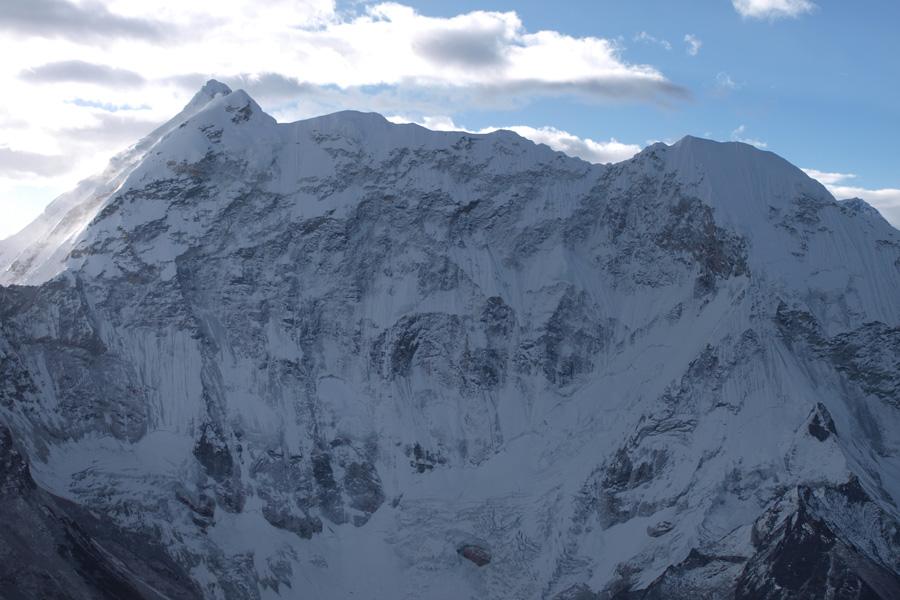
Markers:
point(213, 88)
point(740, 181)
point(692, 139)
point(692, 143)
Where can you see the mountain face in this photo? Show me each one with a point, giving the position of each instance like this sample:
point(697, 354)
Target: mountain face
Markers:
point(346, 358)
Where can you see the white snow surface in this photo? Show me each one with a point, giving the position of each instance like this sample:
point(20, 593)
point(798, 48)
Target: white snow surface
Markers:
point(643, 299)
point(38, 252)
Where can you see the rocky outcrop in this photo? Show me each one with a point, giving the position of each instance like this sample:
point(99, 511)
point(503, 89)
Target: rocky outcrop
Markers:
point(52, 548)
point(811, 553)
point(475, 554)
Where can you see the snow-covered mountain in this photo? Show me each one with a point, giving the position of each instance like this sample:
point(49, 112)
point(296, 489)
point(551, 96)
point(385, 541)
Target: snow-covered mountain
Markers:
point(343, 358)
point(37, 253)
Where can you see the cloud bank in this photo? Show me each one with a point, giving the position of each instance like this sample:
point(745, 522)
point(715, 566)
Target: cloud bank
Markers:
point(384, 56)
point(82, 72)
point(84, 78)
point(585, 148)
point(76, 22)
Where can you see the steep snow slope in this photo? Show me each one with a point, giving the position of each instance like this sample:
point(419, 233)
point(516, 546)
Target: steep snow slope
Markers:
point(37, 253)
point(55, 549)
point(345, 358)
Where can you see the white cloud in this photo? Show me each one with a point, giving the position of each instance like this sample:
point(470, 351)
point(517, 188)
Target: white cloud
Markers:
point(68, 64)
point(23, 199)
point(585, 148)
point(772, 9)
point(693, 44)
point(886, 200)
point(388, 44)
point(64, 19)
point(646, 38)
point(725, 84)
point(738, 136)
point(563, 141)
point(826, 178)
point(14, 162)
point(81, 71)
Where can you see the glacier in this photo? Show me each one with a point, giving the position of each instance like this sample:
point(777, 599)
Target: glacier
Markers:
point(343, 357)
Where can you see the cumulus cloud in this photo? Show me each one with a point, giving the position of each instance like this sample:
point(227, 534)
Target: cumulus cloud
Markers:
point(119, 67)
point(385, 44)
point(81, 71)
point(772, 9)
point(492, 51)
point(485, 45)
point(886, 200)
point(585, 148)
point(289, 48)
point(693, 44)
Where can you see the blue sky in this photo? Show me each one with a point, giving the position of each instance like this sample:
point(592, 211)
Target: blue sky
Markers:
point(814, 80)
point(821, 89)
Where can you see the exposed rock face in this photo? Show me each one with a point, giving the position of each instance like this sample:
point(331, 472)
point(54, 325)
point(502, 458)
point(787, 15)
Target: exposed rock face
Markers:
point(475, 554)
point(53, 548)
point(317, 359)
point(806, 555)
